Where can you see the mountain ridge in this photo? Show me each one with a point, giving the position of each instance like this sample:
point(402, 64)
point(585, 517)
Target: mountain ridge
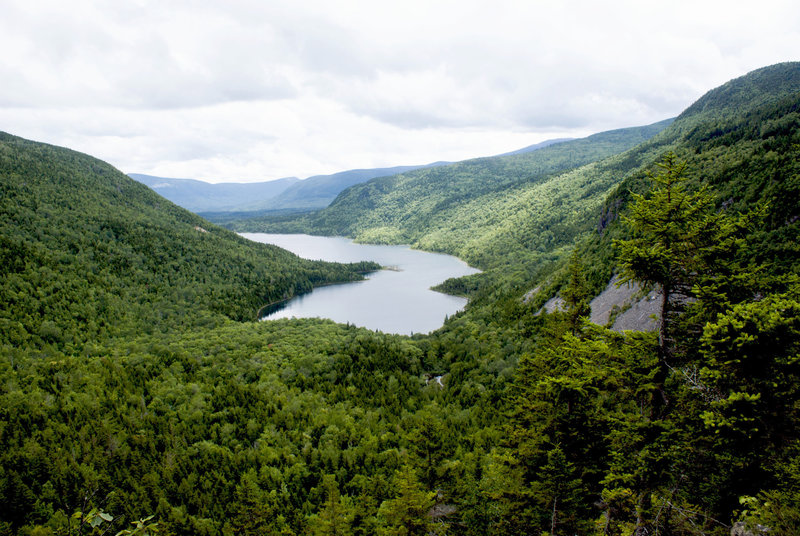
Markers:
point(89, 252)
point(460, 205)
point(200, 196)
point(132, 386)
point(289, 193)
point(280, 195)
point(379, 211)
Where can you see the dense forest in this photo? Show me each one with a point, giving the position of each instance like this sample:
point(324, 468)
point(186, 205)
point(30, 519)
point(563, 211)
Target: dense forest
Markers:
point(516, 214)
point(136, 396)
point(464, 209)
point(89, 253)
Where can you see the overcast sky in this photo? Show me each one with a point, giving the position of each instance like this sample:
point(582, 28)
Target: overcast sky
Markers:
point(246, 90)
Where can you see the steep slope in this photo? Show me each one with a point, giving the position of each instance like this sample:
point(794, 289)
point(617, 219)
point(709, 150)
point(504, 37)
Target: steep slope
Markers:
point(489, 211)
point(713, 426)
point(756, 88)
point(87, 252)
point(406, 204)
point(747, 154)
point(512, 213)
point(199, 196)
point(536, 146)
point(319, 191)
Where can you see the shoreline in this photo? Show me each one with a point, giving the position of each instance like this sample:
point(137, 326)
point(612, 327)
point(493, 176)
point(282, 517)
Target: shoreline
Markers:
point(258, 313)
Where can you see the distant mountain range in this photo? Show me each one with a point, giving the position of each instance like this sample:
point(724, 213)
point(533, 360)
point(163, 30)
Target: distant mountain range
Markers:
point(537, 146)
point(132, 380)
point(199, 196)
point(485, 210)
point(289, 193)
point(281, 195)
point(318, 191)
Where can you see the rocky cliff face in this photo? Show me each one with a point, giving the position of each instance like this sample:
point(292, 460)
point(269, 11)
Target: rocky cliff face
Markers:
point(626, 307)
point(621, 307)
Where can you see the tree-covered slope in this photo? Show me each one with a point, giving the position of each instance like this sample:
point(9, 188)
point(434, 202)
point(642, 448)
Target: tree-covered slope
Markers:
point(407, 202)
point(541, 423)
point(713, 225)
point(318, 191)
point(696, 430)
point(465, 207)
point(752, 90)
point(515, 214)
point(746, 154)
point(87, 252)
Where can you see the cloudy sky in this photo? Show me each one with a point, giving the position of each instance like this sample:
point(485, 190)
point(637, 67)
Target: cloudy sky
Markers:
point(245, 90)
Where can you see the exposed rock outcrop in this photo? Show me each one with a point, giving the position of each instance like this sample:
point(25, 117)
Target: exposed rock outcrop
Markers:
point(627, 307)
point(556, 303)
point(741, 529)
point(624, 307)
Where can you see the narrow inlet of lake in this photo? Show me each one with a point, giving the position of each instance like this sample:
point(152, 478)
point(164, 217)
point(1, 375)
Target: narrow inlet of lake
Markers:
point(393, 301)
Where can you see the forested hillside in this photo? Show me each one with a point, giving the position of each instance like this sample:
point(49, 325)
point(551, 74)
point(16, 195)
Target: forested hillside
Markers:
point(225, 200)
point(503, 210)
point(511, 214)
point(318, 191)
point(88, 253)
point(746, 155)
point(542, 423)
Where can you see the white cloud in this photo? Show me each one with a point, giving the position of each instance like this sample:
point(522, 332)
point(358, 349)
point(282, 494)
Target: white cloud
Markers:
point(255, 90)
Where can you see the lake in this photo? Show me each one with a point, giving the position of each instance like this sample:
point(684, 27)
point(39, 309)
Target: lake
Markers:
point(393, 301)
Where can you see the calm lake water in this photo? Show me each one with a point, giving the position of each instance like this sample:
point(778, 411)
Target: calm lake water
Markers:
point(390, 301)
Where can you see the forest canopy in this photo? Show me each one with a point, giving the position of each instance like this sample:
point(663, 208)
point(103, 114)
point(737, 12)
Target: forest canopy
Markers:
point(135, 383)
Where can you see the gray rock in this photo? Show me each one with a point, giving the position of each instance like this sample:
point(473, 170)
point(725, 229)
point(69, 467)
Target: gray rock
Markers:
point(740, 528)
point(637, 311)
point(556, 303)
point(634, 311)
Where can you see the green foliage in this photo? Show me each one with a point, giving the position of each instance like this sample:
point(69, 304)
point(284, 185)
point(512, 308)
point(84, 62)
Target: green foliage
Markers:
point(777, 508)
point(502, 213)
point(89, 253)
point(678, 241)
point(236, 425)
point(408, 513)
point(573, 404)
point(576, 293)
point(744, 165)
point(142, 527)
point(336, 516)
point(118, 397)
point(93, 520)
point(757, 88)
point(752, 356)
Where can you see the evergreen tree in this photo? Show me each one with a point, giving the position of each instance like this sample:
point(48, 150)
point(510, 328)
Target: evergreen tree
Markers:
point(254, 512)
point(561, 490)
point(408, 514)
point(576, 293)
point(691, 251)
point(669, 227)
point(336, 516)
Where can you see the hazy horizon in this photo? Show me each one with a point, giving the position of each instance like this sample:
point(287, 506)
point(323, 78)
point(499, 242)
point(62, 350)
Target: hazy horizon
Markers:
point(250, 92)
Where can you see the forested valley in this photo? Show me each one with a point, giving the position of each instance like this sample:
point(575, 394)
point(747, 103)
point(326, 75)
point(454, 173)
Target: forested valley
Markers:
point(138, 396)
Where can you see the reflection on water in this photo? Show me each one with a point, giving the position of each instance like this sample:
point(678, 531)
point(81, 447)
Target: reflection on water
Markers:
point(393, 301)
